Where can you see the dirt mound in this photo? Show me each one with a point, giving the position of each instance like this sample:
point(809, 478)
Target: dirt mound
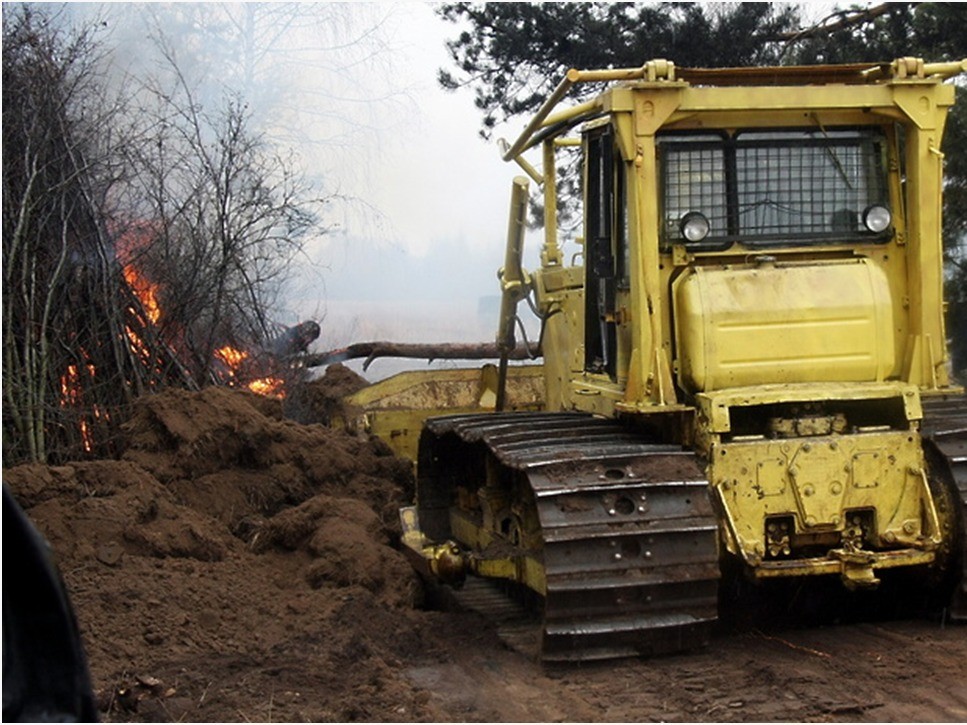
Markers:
point(105, 509)
point(321, 401)
point(339, 535)
point(231, 454)
point(228, 538)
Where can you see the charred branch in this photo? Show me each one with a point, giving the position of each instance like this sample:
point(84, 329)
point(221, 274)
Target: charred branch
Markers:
point(421, 351)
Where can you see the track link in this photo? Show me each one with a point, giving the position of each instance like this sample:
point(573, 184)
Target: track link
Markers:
point(628, 535)
point(945, 425)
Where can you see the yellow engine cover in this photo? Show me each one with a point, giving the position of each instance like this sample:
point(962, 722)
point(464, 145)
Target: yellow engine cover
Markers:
point(818, 322)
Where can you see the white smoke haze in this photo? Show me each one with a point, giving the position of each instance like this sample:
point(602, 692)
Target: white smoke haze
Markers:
point(418, 201)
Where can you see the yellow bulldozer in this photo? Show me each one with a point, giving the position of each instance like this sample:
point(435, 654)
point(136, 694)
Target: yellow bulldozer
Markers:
point(744, 365)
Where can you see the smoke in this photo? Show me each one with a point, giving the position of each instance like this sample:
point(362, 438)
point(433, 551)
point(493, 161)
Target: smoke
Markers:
point(417, 202)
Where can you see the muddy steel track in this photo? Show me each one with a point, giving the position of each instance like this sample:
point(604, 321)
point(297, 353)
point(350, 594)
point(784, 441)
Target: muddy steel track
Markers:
point(629, 550)
point(945, 425)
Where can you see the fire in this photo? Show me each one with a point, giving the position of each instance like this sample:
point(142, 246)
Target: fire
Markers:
point(137, 345)
point(269, 387)
point(231, 356)
point(70, 388)
point(86, 439)
point(72, 396)
point(234, 358)
point(145, 290)
point(144, 335)
point(129, 243)
point(238, 364)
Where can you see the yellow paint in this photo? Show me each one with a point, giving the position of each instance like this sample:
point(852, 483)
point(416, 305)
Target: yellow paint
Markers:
point(394, 409)
point(761, 323)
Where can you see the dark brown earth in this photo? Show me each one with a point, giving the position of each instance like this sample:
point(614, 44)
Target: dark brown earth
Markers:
point(237, 566)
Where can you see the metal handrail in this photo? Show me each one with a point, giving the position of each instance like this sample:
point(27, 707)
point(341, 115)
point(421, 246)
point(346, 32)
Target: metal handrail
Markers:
point(663, 70)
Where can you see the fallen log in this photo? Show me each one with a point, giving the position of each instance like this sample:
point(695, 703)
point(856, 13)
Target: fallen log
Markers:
point(427, 351)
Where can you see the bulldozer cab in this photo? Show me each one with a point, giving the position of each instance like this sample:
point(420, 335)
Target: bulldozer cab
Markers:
point(746, 228)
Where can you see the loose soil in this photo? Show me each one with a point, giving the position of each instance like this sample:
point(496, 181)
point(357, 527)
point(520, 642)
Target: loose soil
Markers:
point(235, 565)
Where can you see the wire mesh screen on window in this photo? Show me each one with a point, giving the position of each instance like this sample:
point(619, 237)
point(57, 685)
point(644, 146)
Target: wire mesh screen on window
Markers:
point(695, 181)
point(773, 190)
point(805, 189)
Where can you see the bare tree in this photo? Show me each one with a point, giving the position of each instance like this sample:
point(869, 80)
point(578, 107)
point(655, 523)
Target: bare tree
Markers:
point(59, 303)
point(138, 244)
point(220, 217)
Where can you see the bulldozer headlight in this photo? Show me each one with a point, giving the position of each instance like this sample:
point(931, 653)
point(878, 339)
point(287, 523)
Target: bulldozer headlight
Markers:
point(694, 226)
point(877, 218)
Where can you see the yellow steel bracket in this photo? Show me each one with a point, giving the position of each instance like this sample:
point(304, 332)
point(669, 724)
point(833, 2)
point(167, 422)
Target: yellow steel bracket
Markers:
point(652, 71)
point(933, 518)
point(515, 283)
point(444, 562)
point(857, 568)
point(914, 68)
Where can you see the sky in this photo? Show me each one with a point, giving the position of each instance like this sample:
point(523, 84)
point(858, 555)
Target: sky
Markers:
point(418, 274)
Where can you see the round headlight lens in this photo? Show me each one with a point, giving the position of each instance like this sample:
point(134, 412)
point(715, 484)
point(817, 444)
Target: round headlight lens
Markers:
point(694, 226)
point(877, 218)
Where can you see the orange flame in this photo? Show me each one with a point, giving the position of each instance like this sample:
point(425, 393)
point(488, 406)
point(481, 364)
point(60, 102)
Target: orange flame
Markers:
point(86, 439)
point(145, 290)
point(267, 386)
point(137, 345)
point(72, 396)
point(231, 356)
point(138, 237)
point(70, 389)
